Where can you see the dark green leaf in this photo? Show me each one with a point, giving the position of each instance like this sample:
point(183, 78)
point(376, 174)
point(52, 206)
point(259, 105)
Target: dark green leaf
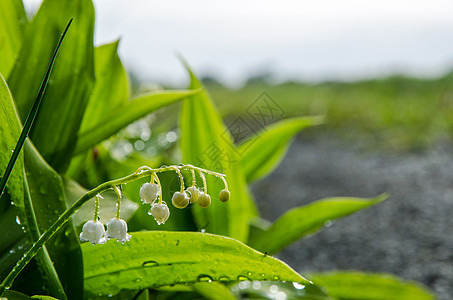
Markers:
point(113, 121)
point(307, 219)
point(264, 151)
point(365, 286)
point(207, 143)
point(48, 199)
point(158, 258)
point(58, 121)
point(12, 27)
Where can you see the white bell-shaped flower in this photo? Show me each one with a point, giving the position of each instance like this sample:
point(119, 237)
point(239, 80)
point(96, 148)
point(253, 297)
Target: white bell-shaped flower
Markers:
point(117, 229)
point(93, 232)
point(160, 212)
point(149, 192)
point(180, 199)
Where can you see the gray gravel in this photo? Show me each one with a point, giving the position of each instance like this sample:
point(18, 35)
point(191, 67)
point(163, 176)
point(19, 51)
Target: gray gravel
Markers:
point(408, 235)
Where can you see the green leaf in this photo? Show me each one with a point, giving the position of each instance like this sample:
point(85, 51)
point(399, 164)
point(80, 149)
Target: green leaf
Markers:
point(58, 121)
point(12, 27)
point(206, 142)
point(307, 219)
point(158, 258)
point(125, 114)
point(110, 90)
point(263, 152)
point(365, 286)
point(47, 196)
point(213, 291)
point(9, 132)
point(32, 114)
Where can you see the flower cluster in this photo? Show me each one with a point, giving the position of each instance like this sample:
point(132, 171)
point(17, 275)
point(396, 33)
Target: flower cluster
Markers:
point(151, 193)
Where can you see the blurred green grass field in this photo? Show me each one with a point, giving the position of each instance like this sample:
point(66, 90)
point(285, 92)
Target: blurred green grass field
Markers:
point(394, 113)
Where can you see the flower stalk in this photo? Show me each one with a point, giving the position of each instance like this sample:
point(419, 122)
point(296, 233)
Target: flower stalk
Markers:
point(66, 215)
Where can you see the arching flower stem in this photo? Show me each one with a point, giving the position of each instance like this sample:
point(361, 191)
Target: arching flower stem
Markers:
point(66, 215)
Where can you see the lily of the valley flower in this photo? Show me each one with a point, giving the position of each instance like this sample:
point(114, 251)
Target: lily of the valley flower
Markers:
point(160, 212)
point(149, 192)
point(117, 229)
point(93, 232)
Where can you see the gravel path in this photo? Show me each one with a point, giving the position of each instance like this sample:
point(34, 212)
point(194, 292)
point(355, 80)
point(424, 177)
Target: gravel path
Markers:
point(408, 235)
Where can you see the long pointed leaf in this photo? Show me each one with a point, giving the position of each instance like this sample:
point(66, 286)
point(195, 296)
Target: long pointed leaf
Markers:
point(264, 151)
point(121, 116)
point(307, 219)
point(48, 200)
point(12, 26)
point(158, 258)
point(110, 91)
point(206, 142)
point(349, 285)
point(9, 132)
point(32, 114)
point(57, 124)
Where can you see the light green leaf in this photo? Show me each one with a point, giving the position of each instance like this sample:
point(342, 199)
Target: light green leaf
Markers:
point(365, 286)
point(207, 143)
point(9, 132)
point(307, 219)
point(263, 152)
point(121, 116)
point(58, 121)
point(12, 26)
point(158, 258)
point(110, 90)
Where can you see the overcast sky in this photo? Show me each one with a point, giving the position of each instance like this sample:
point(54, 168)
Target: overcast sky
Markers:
point(293, 39)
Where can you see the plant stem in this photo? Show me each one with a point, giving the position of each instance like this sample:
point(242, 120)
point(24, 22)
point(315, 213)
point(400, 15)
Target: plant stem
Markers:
point(66, 215)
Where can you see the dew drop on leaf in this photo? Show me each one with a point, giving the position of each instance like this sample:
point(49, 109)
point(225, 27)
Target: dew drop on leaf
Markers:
point(224, 278)
point(298, 286)
point(150, 263)
point(204, 278)
point(242, 278)
point(18, 220)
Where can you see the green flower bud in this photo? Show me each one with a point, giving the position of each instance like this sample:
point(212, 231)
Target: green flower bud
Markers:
point(193, 191)
point(204, 200)
point(180, 200)
point(224, 195)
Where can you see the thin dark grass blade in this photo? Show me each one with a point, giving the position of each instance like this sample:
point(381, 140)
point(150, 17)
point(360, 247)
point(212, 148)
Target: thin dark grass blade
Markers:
point(31, 115)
